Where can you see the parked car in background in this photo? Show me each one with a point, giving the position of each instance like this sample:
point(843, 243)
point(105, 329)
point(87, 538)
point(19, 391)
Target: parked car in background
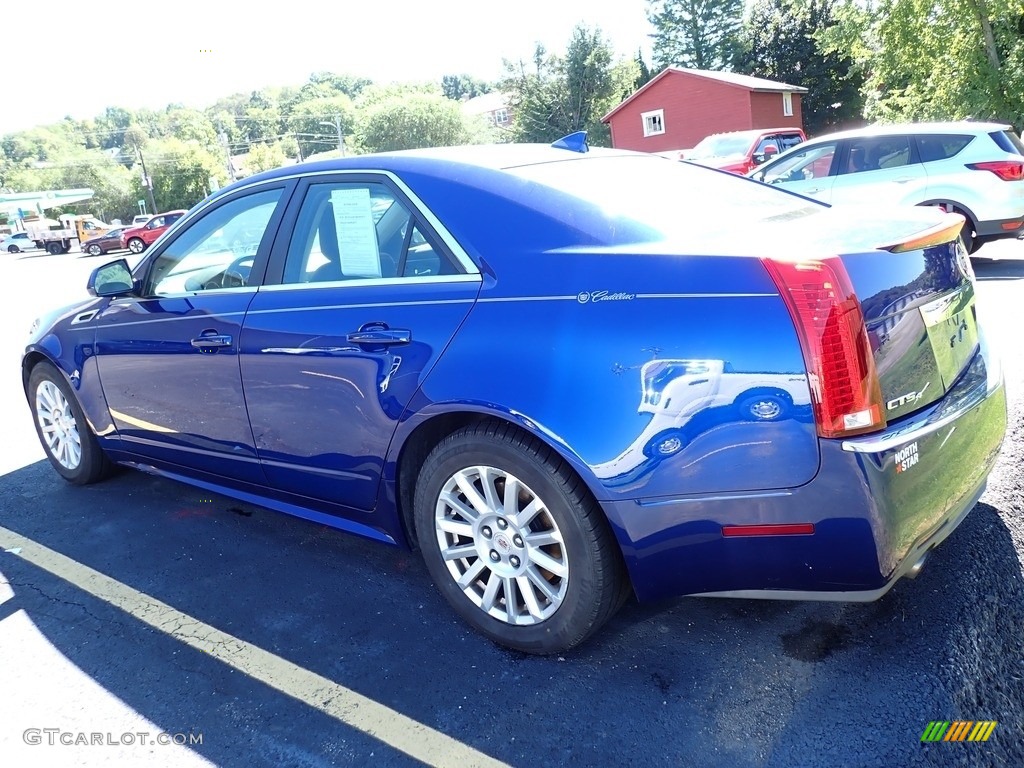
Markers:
point(138, 239)
point(140, 219)
point(109, 241)
point(16, 242)
point(403, 346)
point(742, 151)
point(974, 169)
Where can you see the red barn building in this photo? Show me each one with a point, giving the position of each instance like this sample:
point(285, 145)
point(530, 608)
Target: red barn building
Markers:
point(679, 107)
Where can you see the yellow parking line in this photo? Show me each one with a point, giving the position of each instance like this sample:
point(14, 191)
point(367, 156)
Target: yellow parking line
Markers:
point(343, 704)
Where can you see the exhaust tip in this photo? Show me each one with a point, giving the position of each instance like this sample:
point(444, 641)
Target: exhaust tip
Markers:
point(915, 569)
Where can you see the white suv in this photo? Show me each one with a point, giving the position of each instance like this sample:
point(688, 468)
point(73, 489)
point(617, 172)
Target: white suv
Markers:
point(976, 169)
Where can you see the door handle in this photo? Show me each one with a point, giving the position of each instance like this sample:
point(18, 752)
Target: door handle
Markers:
point(211, 341)
point(380, 336)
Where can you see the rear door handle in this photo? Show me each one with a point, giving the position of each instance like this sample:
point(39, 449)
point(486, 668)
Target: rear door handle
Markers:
point(380, 336)
point(211, 341)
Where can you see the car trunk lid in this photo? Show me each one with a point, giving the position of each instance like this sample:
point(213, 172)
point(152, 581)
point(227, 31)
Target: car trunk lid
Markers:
point(904, 292)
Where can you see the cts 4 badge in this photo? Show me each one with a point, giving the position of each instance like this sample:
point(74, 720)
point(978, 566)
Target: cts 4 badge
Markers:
point(910, 397)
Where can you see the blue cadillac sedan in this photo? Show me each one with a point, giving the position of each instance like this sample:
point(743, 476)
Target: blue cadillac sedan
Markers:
point(564, 375)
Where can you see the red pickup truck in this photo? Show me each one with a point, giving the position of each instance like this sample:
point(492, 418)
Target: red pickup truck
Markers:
point(741, 151)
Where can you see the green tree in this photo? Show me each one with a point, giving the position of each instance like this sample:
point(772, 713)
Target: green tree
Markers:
point(181, 172)
point(307, 118)
point(265, 157)
point(701, 34)
point(936, 59)
point(411, 121)
point(324, 85)
point(560, 95)
point(781, 44)
point(644, 72)
point(459, 87)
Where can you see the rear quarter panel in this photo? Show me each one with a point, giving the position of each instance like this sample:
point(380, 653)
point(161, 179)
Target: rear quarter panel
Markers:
point(559, 341)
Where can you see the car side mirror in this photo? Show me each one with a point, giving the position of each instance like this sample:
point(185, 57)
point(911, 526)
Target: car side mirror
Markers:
point(769, 152)
point(113, 279)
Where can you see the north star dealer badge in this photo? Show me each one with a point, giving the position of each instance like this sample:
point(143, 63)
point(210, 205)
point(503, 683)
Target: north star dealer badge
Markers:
point(906, 457)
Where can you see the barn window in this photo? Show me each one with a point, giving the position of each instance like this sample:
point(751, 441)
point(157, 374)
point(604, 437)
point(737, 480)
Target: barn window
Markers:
point(654, 122)
point(787, 104)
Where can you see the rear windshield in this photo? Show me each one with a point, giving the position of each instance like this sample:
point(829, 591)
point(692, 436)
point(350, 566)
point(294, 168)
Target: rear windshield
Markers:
point(1008, 141)
point(721, 145)
point(666, 196)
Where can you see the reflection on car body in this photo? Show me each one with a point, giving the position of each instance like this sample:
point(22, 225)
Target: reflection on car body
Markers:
point(675, 391)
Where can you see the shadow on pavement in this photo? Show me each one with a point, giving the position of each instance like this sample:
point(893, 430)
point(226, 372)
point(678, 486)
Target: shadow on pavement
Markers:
point(708, 682)
point(997, 269)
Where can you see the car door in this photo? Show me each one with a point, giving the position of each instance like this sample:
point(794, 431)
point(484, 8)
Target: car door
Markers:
point(808, 170)
point(879, 170)
point(168, 356)
point(368, 294)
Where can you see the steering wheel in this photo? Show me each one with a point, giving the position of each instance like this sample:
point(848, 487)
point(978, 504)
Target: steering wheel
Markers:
point(235, 275)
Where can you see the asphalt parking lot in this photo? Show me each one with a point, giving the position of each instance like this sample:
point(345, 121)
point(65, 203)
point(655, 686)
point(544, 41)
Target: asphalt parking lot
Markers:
point(141, 607)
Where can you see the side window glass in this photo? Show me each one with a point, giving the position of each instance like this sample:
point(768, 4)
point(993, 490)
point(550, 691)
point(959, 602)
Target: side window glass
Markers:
point(876, 154)
point(217, 251)
point(932, 147)
point(359, 231)
point(812, 163)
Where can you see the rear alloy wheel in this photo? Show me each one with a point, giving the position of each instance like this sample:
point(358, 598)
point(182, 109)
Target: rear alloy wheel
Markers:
point(63, 431)
point(12, 249)
point(94, 250)
point(136, 245)
point(514, 542)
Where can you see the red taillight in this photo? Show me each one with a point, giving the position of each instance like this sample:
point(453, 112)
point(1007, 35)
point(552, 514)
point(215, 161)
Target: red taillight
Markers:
point(1007, 170)
point(845, 391)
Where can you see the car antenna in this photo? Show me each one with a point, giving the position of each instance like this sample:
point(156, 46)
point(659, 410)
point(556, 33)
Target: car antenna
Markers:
point(574, 142)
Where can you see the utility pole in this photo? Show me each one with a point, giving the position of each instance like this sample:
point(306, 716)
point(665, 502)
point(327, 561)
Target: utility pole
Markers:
point(341, 137)
point(227, 154)
point(147, 182)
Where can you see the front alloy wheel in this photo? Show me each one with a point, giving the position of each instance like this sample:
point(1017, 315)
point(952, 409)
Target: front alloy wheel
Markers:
point(63, 431)
point(58, 426)
point(514, 540)
point(135, 245)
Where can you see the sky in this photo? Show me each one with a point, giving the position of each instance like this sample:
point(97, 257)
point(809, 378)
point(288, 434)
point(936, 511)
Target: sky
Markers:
point(112, 53)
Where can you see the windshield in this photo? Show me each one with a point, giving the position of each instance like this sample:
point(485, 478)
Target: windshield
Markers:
point(651, 197)
point(720, 145)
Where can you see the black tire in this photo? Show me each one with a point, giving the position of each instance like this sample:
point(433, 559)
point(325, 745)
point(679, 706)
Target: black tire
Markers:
point(764, 407)
point(595, 585)
point(54, 249)
point(13, 249)
point(93, 464)
point(136, 245)
point(967, 232)
point(94, 250)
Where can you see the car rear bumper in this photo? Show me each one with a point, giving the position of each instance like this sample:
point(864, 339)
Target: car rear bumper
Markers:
point(878, 505)
point(993, 230)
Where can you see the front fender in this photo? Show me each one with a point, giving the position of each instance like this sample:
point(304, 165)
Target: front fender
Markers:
point(65, 339)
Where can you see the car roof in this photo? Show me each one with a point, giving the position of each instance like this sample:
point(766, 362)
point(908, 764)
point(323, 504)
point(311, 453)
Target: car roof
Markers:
point(437, 161)
point(900, 129)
